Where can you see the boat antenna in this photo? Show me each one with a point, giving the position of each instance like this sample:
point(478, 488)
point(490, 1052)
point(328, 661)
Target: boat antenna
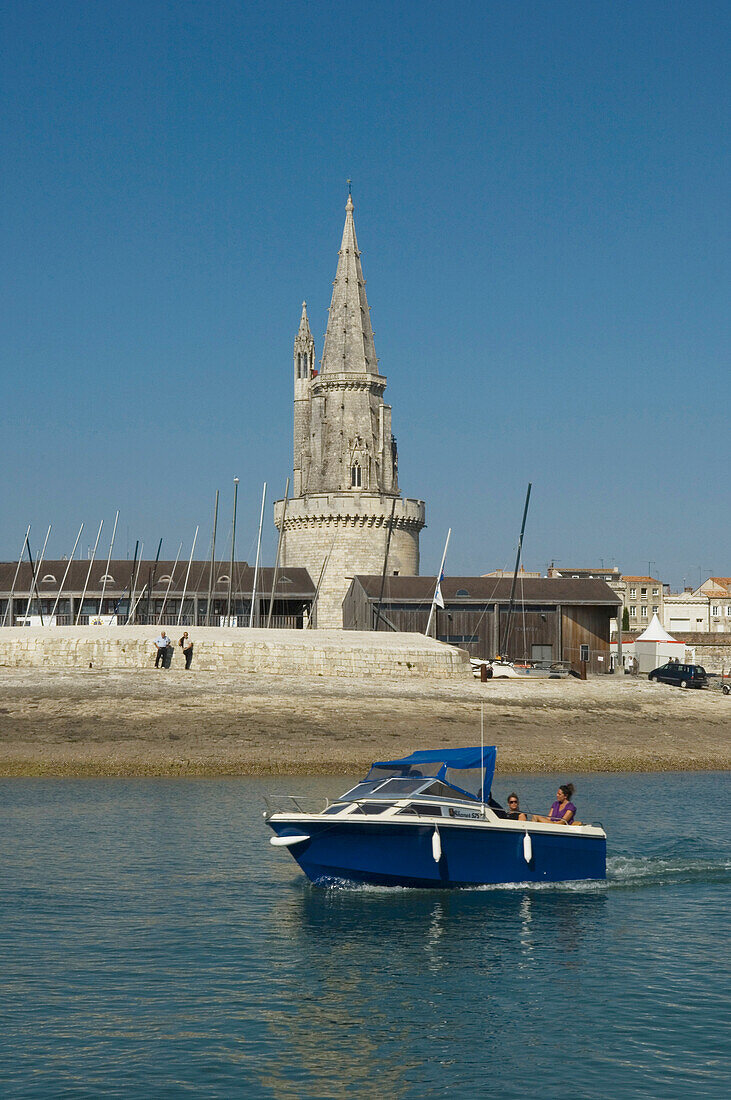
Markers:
point(502, 645)
point(482, 751)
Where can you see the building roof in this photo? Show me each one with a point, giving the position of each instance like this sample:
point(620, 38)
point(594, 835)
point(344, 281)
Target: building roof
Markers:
point(547, 590)
point(290, 582)
point(349, 345)
point(564, 569)
point(718, 585)
point(641, 580)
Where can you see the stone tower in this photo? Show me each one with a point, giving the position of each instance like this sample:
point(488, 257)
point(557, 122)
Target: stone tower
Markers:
point(345, 484)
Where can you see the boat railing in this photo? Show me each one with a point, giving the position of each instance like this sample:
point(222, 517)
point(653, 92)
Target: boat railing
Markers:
point(298, 804)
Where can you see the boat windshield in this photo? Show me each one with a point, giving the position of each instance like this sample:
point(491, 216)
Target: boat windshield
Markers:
point(466, 781)
point(374, 788)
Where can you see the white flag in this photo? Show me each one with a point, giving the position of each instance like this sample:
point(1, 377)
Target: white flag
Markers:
point(438, 598)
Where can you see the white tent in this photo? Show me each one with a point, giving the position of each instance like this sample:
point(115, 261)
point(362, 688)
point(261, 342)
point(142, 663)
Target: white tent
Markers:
point(655, 647)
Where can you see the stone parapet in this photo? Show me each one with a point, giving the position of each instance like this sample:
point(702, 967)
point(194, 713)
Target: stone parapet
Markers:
point(288, 652)
point(349, 510)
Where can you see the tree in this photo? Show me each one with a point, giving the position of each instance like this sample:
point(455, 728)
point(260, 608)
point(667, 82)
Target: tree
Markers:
point(625, 619)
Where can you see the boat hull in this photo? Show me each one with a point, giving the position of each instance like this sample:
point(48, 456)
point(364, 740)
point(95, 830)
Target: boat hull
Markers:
point(386, 854)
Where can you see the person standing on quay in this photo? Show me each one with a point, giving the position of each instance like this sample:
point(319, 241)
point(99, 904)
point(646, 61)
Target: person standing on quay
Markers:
point(187, 647)
point(162, 648)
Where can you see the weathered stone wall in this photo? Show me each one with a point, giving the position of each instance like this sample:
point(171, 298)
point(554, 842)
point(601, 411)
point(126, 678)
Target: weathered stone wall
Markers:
point(356, 528)
point(714, 658)
point(289, 652)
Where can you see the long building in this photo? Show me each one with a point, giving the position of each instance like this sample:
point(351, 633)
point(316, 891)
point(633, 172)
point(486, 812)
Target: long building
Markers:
point(553, 619)
point(64, 593)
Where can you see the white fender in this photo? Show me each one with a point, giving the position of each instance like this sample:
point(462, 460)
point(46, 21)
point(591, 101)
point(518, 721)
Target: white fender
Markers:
point(288, 841)
point(527, 848)
point(436, 845)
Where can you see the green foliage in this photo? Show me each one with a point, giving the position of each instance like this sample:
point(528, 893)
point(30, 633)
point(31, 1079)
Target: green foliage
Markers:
point(625, 619)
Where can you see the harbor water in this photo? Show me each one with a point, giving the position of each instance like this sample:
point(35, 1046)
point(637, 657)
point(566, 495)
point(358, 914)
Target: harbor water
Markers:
point(154, 944)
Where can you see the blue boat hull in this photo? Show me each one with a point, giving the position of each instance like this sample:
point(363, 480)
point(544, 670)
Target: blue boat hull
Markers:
point(397, 855)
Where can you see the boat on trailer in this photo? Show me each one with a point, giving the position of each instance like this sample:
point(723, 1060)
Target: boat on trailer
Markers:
point(428, 820)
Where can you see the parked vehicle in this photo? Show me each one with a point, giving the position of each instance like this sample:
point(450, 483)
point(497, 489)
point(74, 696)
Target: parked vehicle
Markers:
point(683, 676)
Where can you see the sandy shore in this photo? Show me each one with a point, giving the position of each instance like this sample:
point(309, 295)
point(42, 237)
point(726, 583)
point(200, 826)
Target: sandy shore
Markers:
point(147, 722)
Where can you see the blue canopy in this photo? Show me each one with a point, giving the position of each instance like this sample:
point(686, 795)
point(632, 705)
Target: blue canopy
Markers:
point(449, 765)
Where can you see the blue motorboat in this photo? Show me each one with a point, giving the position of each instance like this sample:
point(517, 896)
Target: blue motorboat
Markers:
point(428, 820)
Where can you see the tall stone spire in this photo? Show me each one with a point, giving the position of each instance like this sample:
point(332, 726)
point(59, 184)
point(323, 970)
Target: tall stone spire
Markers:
point(346, 506)
point(349, 345)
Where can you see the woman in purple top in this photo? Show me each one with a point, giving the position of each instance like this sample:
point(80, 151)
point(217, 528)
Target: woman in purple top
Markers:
point(562, 811)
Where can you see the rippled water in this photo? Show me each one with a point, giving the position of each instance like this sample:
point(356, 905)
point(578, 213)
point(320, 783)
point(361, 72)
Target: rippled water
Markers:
point(153, 944)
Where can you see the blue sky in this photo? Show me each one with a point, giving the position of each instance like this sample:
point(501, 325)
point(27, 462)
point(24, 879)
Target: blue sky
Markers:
point(541, 197)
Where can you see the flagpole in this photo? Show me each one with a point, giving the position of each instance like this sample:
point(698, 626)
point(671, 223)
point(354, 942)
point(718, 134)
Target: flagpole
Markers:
point(439, 580)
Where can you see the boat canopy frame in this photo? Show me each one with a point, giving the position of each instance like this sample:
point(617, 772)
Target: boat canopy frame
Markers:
point(469, 770)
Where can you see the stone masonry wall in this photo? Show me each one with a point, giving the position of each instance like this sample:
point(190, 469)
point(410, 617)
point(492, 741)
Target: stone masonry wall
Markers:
point(285, 652)
point(357, 531)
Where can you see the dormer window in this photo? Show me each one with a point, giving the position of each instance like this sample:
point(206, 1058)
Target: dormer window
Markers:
point(356, 475)
point(223, 579)
point(108, 578)
point(48, 579)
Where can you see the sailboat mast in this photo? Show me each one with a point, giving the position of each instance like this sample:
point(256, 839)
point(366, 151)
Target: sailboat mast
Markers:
point(258, 552)
point(106, 571)
point(439, 581)
point(385, 564)
point(88, 574)
point(187, 575)
point(170, 581)
point(35, 570)
point(17, 570)
point(503, 645)
point(213, 562)
point(279, 551)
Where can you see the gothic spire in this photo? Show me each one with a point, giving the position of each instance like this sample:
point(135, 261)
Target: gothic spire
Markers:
point(349, 345)
point(304, 329)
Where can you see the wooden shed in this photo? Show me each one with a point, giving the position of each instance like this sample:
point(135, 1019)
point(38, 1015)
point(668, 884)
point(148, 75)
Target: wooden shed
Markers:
point(553, 619)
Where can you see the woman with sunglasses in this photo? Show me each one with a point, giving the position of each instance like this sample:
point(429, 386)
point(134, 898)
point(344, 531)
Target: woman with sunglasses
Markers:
point(514, 812)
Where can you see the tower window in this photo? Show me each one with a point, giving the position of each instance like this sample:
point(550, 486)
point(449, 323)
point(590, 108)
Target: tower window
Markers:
point(356, 476)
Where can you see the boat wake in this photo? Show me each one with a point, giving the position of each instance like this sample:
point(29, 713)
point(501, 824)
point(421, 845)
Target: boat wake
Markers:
point(623, 873)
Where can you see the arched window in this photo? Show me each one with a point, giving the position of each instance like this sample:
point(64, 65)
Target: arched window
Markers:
point(223, 579)
point(48, 579)
point(108, 578)
point(462, 592)
point(356, 475)
point(166, 577)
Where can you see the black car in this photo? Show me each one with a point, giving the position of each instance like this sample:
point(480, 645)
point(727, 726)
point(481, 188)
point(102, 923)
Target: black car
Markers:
point(685, 676)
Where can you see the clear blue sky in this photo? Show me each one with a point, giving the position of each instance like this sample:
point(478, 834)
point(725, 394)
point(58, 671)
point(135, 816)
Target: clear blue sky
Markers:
point(542, 195)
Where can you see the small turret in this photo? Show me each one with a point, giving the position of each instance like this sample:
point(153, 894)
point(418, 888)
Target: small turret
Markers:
point(304, 349)
point(304, 364)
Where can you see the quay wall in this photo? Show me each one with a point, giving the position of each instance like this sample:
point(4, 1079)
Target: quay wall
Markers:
point(220, 649)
